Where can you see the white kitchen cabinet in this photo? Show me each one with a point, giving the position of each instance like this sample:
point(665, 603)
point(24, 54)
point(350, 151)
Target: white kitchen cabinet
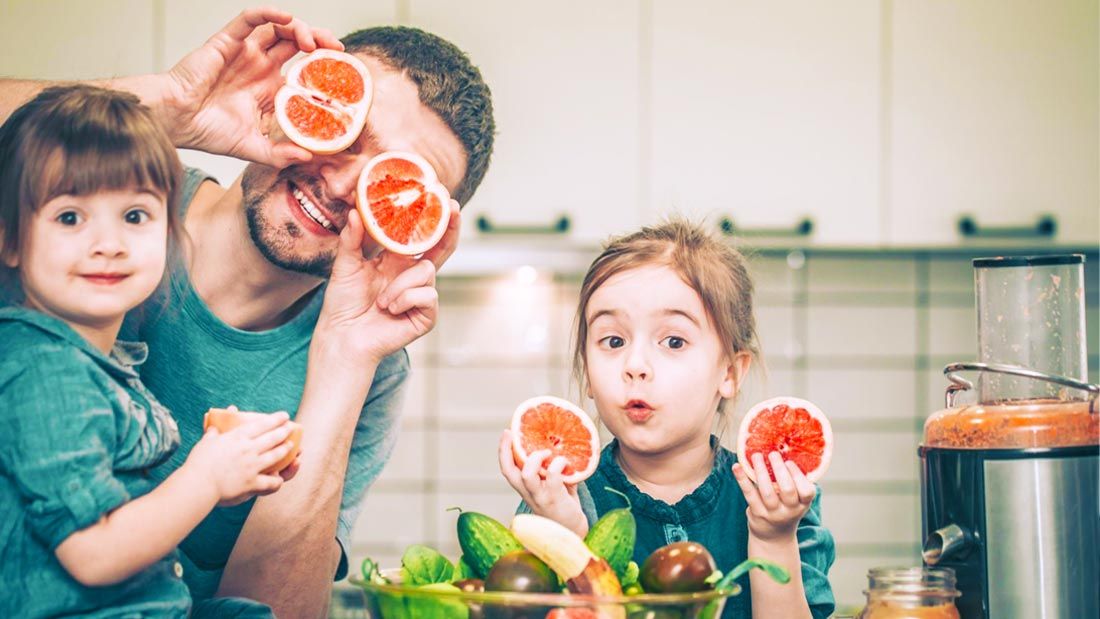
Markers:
point(994, 109)
point(767, 113)
point(188, 23)
point(565, 83)
point(64, 40)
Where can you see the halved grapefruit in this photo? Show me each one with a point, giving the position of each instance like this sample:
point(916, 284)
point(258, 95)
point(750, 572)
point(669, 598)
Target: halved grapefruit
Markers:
point(546, 422)
point(795, 428)
point(404, 206)
point(225, 420)
point(323, 105)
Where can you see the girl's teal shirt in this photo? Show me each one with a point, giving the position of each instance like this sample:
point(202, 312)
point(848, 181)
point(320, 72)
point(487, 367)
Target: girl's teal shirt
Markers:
point(713, 515)
point(78, 434)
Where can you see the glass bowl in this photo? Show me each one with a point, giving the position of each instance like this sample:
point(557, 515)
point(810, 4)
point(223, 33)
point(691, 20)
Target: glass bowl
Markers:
point(397, 601)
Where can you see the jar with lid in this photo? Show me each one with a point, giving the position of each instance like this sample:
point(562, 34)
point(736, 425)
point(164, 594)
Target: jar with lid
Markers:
point(910, 593)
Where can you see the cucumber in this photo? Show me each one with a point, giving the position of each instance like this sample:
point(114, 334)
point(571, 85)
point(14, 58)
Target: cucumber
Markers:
point(612, 537)
point(483, 541)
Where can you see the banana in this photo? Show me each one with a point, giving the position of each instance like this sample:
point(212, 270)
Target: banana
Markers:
point(567, 554)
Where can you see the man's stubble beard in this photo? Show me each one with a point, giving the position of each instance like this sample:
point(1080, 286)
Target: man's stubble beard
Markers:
point(276, 243)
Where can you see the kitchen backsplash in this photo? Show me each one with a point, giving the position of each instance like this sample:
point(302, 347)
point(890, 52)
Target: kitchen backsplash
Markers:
point(864, 335)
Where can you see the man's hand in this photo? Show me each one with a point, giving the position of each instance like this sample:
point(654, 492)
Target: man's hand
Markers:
point(374, 307)
point(221, 97)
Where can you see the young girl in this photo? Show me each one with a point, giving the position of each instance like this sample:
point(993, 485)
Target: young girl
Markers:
point(86, 180)
point(665, 335)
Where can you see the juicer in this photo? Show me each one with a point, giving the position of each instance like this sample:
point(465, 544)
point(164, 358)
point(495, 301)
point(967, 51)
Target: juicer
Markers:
point(1009, 480)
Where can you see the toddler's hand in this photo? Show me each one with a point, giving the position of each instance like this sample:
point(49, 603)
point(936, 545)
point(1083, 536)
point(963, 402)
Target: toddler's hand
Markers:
point(551, 497)
point(235, 461)
point(774, 508)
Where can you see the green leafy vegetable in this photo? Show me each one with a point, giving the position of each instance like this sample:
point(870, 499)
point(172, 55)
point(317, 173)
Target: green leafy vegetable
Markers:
point(421, 565)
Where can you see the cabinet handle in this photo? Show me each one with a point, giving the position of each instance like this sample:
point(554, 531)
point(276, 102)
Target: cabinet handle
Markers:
point(804, 227)
point(559, 226)
point(1045, 226)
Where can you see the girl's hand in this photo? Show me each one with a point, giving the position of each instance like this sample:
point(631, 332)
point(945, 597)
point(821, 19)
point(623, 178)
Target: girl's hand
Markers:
point(376, 306)
point(774, 508)
point(550, 497)
point(220, 98)
point(234, 462)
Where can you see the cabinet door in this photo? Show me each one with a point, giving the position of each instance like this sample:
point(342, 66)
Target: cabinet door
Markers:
point(995, 115)
point(188, 23)
point(52, 39)
point(768, 113)
point(564, 78)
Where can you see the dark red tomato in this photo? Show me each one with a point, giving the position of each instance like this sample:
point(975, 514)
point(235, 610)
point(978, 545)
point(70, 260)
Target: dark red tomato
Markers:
point(681, 567)
point(523, 572)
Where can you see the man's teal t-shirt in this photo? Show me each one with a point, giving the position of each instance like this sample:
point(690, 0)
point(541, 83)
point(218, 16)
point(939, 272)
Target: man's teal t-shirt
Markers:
point(196, 362)
point(713, 515)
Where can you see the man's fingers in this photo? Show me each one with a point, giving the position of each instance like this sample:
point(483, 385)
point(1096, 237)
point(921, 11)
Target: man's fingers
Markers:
point(240, 27)
point(423, 298)
point(325, 38)
point(420, 274)
point(299, 32)
point(447, 245)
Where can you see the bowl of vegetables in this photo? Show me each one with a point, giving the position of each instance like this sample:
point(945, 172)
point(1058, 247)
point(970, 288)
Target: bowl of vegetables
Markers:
point(538, 569)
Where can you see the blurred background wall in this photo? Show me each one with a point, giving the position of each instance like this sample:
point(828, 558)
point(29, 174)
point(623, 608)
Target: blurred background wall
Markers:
point(863, 151)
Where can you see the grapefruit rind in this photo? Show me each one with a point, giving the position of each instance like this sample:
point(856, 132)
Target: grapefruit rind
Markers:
point(521, 454)
point(743, 434)
point(431, 187)
point(225, 420)
point(352, 115)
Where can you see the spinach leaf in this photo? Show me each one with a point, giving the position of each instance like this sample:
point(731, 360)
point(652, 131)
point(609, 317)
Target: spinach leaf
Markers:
point(421, 565)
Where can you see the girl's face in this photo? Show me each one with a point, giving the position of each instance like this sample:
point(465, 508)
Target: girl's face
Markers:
point(655, 366)
point(89, 259)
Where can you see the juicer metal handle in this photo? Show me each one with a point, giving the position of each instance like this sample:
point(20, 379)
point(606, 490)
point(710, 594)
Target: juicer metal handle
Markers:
point(958, 383)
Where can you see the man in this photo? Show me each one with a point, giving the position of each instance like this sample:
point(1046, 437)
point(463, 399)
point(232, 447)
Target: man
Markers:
point(251, 321)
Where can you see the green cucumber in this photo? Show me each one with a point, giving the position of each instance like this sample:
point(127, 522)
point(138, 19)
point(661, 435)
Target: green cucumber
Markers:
point(612, 537)
point(483, 541)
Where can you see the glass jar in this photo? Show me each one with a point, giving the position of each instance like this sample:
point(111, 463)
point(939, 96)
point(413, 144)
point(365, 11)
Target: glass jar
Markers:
point(910, 593)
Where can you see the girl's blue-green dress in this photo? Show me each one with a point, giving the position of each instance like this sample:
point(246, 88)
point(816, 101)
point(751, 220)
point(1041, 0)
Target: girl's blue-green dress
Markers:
point(713, 515)
point(78, 435)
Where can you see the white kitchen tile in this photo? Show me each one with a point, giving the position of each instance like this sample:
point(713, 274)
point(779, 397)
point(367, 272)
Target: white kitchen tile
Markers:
point(872, 518)
point(388, 522)
point(862, 331)
point(874, 456)
point(513, 323)
point(863, 394)
point(487, 396)
point(499, 505)
point(954, 274)
point(469, 455)
point(775, 328)
point(421, 382)
point(953, 331)
point(773, 274)
point(407, 464)
point(867, 274)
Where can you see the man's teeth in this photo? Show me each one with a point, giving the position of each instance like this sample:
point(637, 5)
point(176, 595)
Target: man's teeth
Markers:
point(312, 210)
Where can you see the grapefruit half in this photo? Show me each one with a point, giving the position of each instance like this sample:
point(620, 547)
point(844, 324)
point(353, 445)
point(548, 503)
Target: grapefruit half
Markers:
point(225, 420)
point(795, 428)
point(546, 422)
point(404, 206)
point(323, 105)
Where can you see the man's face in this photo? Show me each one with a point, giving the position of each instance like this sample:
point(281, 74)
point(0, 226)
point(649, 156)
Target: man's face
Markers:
point(295, 214)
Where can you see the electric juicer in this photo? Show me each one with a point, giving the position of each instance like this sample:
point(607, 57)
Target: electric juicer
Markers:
point(1009, 482)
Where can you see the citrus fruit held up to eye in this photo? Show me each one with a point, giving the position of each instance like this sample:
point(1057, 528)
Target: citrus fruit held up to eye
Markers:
point(225, 420)
point(323, 105)
point(546, 422)
point(795, 428)
point(403, 204)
